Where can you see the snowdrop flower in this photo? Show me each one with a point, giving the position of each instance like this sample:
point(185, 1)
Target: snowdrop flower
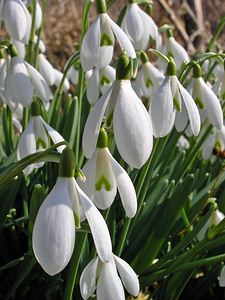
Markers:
point(104, 277)
point(214, 220)
point(222, 278)
point(172, 101)
point(73, 75)
point(20, 47)
point(99, 81)
point(131, 123)
point(219, 85)
point(38, 16)
point(36, 137)
point(58, 217)
point(104, 176)
point(149, 78)
point(174, 49)
point(207, 101)
point(3, 72)
point(215, 140)
point(58, 79)
point(23, 82)
point(140, 27)
point(98, 43)
point(16, 18)
point(46, 69)
point(183, 143)
point(41, 45)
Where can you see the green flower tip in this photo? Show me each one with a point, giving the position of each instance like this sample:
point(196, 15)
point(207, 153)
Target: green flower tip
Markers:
point(169, 33)
point(67, 163)
point(144, 57)
point(101, 6)
point(224, 64)
point(197, 71)
point(149, 9)
point(1, 53)
point(12, 50)
point(124, 67)
point(35, 108)
point(171, 68)
point(102, 139)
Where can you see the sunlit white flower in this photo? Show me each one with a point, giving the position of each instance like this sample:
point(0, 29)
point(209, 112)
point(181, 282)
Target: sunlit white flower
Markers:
point(105, 278)
point(140, 27)
point(183, 143)
point(20, 47)
point(46, 69)
point(104, 176)
point(58, 79)
point(23, 82)
point(98, 43)
point(222, 278)
point(16, 18)
point(219, 85)
point(73, 75)
point(209, 104)
point(38, 15)
point(215, 140)
point(36, 138)
point(99, 81)
point(131, 123)
point(60, 213)
point(148, 79)
point(173, 104)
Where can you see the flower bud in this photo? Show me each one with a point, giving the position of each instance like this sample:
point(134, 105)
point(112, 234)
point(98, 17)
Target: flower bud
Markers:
point(67, 163)
point(123, 69)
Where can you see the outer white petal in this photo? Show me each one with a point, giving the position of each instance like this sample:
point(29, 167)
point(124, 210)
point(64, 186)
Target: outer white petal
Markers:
point(128, 276)
point(222, 278)
point(132, 127)
point(19, 77)
point(55, 136)
point(92, 126)
point(41, 88)
point(88, 279)
point(179, 53)
point(38, 16)
point(212, 106)
point(109, 284)
point(39, 130)
point(93, 87)
point(125, 187)
point(99, 229)
point(207, 147)
point(54, 230)
point(90, 46)
point(193, 114)
point(161, 110)
point(46, 69)
point(16, 19)
point(122, 38)
point(20, 47)
point(58, 78)
point(181, 120)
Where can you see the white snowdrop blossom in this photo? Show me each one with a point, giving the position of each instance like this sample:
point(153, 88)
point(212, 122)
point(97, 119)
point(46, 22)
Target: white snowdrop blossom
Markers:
point(140, 27)
point(99, 80)
point(131, 122)
point(148, 79)
point(73, 75)
point(20, 73)
point(104, 176)
point(104, 278)
point(208, 103)
point(173, 104)
point(46, 69)
point(222, 278)
point(16, 18)
point(36, 138)
point(98, 43)
point(58, 79)
point(38, 16)
point(59, 215)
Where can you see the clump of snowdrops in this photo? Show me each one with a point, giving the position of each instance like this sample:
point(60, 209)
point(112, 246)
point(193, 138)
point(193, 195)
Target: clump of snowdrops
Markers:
point(111, 173)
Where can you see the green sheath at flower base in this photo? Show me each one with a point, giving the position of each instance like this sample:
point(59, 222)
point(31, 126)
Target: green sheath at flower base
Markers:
point(35, 108)
point(197, 71)
point(124, 67)
point(101, 6)
point(102, 139)
point(67, 163)
point(169, 33)
point(13, 51)
point(171, 69)
point(1, 53)
point(144, 57)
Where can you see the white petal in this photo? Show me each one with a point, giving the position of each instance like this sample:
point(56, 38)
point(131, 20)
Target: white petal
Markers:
point(207, 147)
point(72, 188)
point(41, 88)
point(58, 78)
point(55, 136)
point(46, 69)
point(93, 123)
point(90, 46)
point(109, 284)
point(192, 110)
point(20, 47)
point(212, 106)
point(122, 38)
point(54, 230)
point(109, 73)
point(181, 120)
point(88, 279)
point(125, 187)
point(39, 130)
point(38, 16)
point(128, 276)
point(93, 87)
point(132, 127)
point(99, 229)
point(222, 278)
point(161, 111)
point(179, 53)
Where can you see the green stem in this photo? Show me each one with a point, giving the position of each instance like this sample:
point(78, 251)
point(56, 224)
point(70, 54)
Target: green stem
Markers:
point(219, 29)
point(32, 34)
point(74, 263)
point(185, 219)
